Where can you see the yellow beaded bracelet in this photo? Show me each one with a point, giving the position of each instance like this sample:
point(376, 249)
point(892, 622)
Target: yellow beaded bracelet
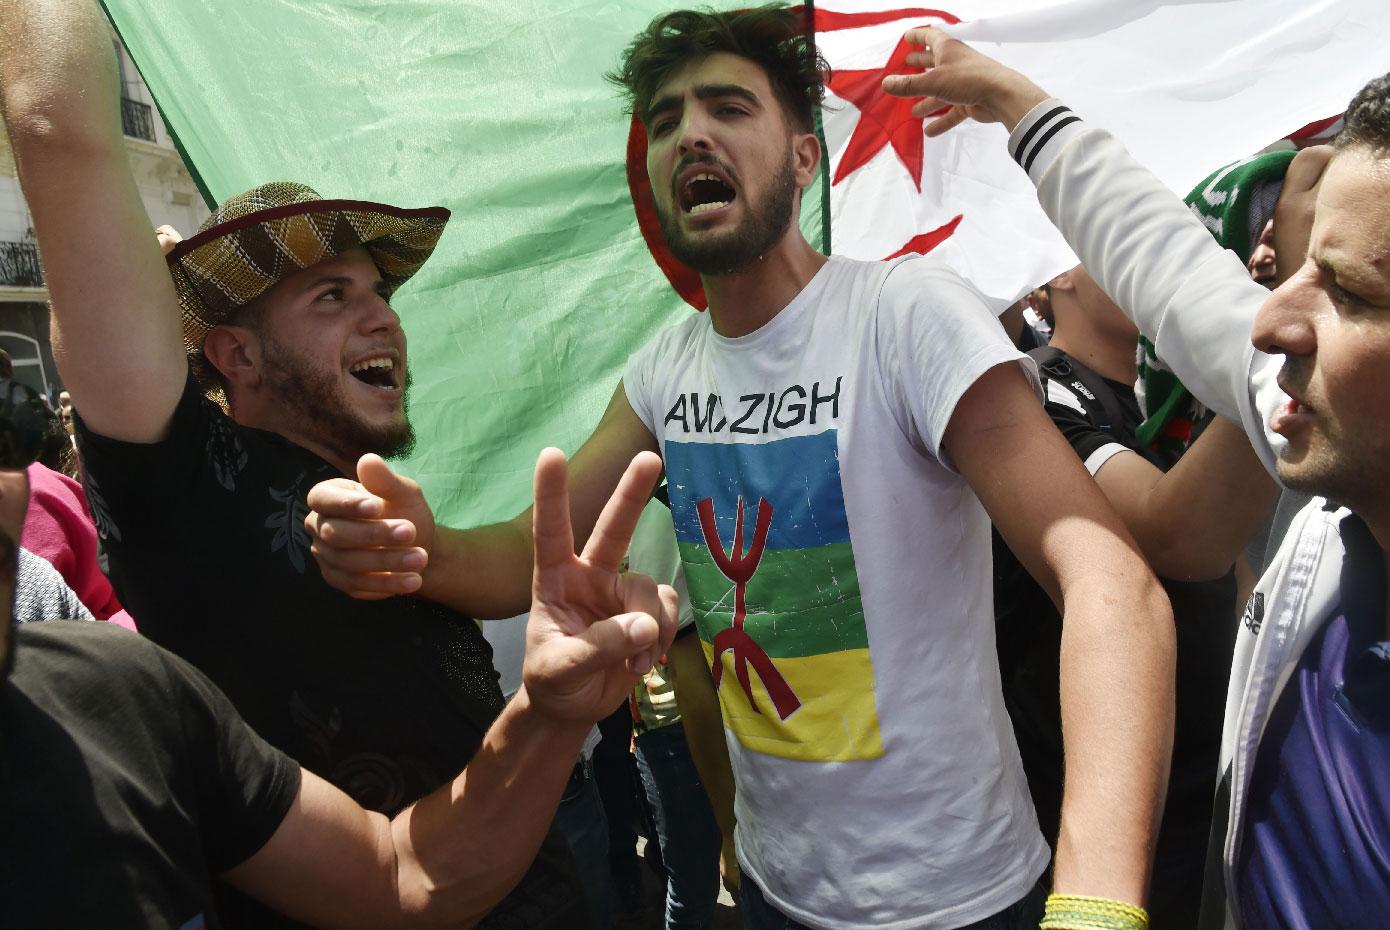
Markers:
point(1078, 912)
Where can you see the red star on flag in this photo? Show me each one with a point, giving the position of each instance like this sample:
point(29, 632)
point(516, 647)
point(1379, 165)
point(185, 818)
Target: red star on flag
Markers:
point(883, 120)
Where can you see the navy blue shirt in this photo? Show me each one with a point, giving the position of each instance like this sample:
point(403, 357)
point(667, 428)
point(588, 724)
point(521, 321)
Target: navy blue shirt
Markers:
point(1315, 853)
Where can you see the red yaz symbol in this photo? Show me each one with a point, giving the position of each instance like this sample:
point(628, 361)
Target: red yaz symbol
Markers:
point(740, 568)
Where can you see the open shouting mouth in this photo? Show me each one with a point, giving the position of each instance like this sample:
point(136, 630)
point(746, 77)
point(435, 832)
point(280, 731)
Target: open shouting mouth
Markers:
point(704, 189)
point(378, 371)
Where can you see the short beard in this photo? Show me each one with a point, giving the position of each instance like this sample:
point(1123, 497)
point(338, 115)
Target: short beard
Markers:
point(1348, 480)
point(735, 251)
point(313, 395)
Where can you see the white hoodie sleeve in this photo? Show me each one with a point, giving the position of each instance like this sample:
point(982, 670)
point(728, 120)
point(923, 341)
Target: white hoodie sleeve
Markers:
point(1194, 300)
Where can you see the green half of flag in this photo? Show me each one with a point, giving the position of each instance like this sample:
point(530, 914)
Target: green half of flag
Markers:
point(542, 286)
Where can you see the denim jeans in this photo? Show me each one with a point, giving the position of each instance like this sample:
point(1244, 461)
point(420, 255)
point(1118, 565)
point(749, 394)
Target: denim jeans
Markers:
point(581, 821)
point(1023, 914)
point(616, 776)
point(685, 825)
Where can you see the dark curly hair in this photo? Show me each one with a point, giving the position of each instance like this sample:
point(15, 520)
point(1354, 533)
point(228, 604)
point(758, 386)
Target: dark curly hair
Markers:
point(774, 37)
point(1368, 118)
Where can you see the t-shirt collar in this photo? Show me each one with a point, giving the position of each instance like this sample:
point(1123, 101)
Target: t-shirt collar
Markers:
point(787, 316)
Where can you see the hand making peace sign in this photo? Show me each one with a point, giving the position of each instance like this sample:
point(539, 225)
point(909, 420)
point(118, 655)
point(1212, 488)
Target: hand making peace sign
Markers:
point(593, 629)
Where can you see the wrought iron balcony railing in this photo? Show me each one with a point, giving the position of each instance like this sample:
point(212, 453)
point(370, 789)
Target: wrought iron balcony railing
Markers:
point(137, 119)
point(19, 265)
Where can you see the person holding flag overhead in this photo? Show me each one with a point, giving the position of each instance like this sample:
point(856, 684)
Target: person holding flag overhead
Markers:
point(1301, 808)
point(837, 435)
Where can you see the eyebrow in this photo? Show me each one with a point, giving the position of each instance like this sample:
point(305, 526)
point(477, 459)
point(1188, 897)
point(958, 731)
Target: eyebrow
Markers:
point(701, 92)
point(1347, 275)
point(379, 285)
point(339, 280)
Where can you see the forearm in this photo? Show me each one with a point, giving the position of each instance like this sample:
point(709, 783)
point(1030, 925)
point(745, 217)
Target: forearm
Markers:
point(1202, 512)
point(704, 728)
point(461, 849)
point(444, 861)
point(1116, 675)
point(483, 572)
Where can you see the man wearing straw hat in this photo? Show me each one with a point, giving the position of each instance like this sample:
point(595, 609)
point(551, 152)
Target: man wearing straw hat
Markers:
point(215, 390)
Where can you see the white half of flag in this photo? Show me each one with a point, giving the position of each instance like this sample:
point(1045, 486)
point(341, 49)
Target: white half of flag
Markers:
point(1187, 85)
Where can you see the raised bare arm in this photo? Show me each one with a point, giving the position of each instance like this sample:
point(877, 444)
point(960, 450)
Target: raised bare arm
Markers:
point(116, 322)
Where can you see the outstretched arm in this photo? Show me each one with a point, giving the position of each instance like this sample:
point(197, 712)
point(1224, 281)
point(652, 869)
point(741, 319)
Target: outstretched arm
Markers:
point(446, 860)
point(376, 537)
point(116, 322)
point(1117, 631)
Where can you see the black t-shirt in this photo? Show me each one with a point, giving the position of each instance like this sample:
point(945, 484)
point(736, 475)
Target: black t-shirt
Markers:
point(386, 699)
point(127, 781)
point(1029, 631)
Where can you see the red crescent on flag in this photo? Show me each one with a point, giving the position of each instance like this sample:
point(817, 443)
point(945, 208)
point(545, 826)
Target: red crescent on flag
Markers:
point(683, 278)
point(927, 241)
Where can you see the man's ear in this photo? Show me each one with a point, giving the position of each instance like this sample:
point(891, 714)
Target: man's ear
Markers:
point(235, 351)
point(807, 154)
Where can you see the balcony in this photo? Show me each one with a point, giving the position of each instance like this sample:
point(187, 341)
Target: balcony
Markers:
point(19, 265)
point(137, 119)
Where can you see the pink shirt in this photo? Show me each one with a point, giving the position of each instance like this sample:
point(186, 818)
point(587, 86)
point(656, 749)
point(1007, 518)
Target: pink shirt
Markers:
point(58, 527)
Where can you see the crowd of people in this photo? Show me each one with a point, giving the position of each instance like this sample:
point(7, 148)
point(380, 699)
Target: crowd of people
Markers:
point(889, 614)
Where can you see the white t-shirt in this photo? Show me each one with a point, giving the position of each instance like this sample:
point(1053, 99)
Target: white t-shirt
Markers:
point(878, 782)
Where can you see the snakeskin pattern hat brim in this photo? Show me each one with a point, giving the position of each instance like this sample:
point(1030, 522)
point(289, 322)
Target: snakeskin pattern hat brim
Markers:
point(253, 240)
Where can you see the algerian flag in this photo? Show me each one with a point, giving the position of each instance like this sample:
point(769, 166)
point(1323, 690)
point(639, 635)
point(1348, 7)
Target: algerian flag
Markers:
point(543, 284)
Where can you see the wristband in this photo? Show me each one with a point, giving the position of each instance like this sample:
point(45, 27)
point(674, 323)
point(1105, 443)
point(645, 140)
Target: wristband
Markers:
point(1078, 912)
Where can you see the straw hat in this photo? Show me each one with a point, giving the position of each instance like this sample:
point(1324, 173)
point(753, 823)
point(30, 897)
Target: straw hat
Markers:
point(253, 240)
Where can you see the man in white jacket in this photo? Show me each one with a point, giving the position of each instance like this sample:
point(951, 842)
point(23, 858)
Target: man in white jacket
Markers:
point(1305, 791)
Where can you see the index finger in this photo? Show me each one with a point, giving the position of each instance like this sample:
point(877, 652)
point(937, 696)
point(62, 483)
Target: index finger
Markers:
point(613, 532)
point(552, 537)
